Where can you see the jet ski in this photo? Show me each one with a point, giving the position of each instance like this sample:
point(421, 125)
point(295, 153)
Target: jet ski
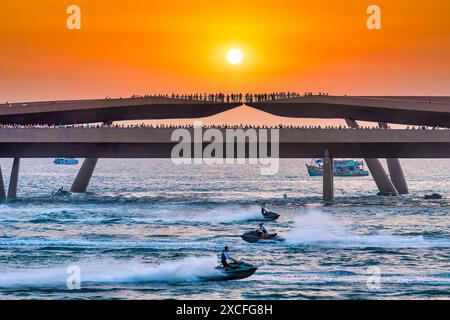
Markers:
point(433, 196)
point(61, 193)
point(385, 194)
point(235, 271)
point(254, 237)
point(268, 215)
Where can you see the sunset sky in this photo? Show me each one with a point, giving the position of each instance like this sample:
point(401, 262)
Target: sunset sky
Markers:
point(152, 46)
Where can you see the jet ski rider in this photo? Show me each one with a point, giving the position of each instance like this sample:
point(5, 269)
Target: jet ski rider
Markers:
point(263, 208)
point(261, 229)
point(262, 232)
point(225, 256)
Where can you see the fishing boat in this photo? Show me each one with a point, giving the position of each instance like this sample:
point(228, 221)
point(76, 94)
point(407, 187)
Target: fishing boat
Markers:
point(341, 168)
point(65, 161)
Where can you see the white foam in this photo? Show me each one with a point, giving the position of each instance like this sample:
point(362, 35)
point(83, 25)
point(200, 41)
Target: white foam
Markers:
point(186, 270)
point(320, 229)
point(215, 216)
point(231, 214)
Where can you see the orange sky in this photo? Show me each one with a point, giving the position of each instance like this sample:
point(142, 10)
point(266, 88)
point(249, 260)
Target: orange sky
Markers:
point(146, 46)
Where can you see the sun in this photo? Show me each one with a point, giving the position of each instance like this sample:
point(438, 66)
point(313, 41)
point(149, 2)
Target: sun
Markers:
point(235, 56)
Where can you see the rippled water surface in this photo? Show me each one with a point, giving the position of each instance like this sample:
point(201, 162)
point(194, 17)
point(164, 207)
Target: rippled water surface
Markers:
point(148, 229)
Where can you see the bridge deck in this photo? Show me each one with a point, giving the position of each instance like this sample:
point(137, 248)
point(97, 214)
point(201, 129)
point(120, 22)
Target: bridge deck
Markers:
point(156, 143)
point(429, 111)
point(105, 110)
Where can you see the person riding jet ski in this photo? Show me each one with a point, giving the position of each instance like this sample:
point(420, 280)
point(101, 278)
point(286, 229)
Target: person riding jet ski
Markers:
point(231, 269)
point(262, 232)
point(263, 208)
point(225, 257)
point(61, 192)
point(268, 215)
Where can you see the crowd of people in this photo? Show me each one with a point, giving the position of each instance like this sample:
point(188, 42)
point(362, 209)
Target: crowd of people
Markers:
point(217, 97)
point(233, 97)
point(209, 97)
point(222, 126)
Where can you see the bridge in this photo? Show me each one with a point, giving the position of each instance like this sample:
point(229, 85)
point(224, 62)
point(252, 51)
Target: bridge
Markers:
point(157, 143)
point(108, 110)
point(94, 143)
point(426, 111)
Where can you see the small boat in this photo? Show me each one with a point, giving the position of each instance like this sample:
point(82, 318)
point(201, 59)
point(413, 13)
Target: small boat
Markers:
point(268, 215)
point(341, 168)
point(61, 193)
point(385, 194)
point(254, 237)
point(433, 196)
point(65, 161)
point(235, 271)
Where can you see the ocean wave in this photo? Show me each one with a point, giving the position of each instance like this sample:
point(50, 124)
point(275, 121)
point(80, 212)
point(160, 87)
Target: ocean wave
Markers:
point(221, 214)
point(136, 198)
point(80, 244)
point(189, 269)
point(317, 228)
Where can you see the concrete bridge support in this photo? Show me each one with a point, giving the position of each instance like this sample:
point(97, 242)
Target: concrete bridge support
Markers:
point(14, 180)
point(396, 171)
point(84, 175)
point(328, 177)
point(397, 176)
point(2, 187)
point(382, 180)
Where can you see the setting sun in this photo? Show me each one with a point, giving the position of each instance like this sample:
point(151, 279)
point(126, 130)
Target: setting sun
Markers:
point(235, 56)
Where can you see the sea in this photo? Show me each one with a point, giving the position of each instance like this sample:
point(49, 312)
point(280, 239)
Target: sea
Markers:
point(150, 229)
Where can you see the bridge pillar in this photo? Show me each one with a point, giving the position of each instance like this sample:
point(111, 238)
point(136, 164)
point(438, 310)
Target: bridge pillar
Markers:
point(396, 171)
point(382, 180)
point(14, 180)
point(328, 176)
point(84, 175)
point(397, 176)
point(2, 186)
